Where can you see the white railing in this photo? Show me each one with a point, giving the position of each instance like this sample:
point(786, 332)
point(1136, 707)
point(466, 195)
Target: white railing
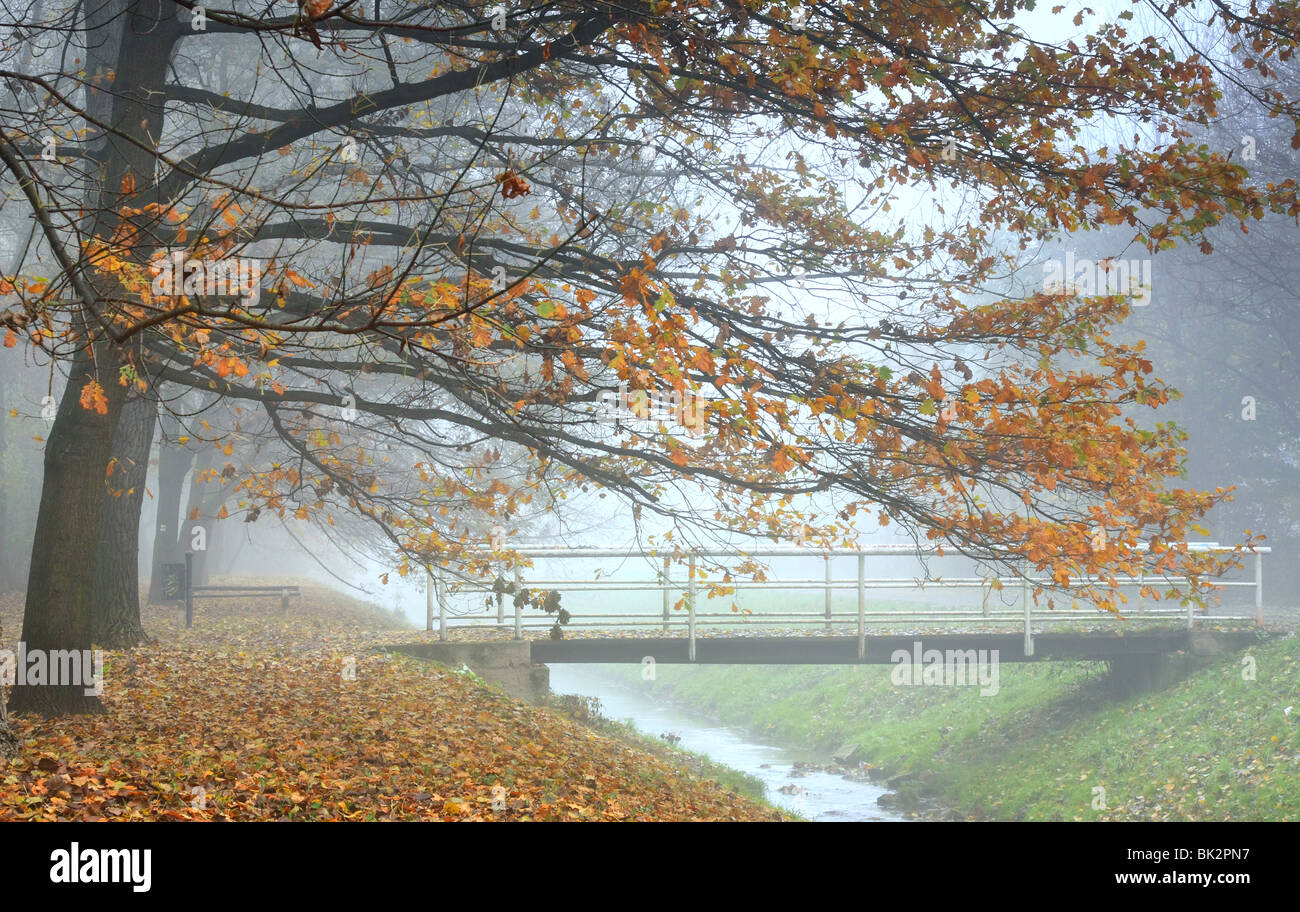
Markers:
point(691, 619)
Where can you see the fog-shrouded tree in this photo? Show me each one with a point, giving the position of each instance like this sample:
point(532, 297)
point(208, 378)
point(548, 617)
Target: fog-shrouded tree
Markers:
point(1225, 330)
point(669, 249)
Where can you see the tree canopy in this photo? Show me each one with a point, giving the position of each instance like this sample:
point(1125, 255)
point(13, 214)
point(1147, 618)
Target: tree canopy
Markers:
point(426, 246)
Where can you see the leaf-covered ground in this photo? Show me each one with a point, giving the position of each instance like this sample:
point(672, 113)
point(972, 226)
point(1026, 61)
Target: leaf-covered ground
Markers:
point(259, 715)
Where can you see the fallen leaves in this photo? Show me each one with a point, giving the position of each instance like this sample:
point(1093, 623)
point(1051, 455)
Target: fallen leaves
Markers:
point(257, 715)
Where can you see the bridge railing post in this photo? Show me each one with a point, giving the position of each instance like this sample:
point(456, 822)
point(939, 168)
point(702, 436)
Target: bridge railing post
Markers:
point(664, 579)
point(189, 589)
point(1259, 589)
point(501, 605)
point(442, 610)
point(428, 600)
point(1029, 627)
point(690, 597)
point(862, 607)
point(828, 591)
point(519, 620)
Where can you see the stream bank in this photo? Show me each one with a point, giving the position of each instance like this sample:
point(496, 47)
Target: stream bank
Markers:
point(1055, 742)
point(808, 783)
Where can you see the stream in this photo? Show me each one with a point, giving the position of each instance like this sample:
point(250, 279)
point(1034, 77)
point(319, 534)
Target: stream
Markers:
point(814, 794)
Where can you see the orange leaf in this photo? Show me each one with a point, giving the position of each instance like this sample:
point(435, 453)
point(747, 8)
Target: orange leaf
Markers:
point(92, 397)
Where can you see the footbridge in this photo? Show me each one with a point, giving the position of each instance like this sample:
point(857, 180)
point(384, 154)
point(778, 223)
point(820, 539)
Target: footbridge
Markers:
point(673, 626)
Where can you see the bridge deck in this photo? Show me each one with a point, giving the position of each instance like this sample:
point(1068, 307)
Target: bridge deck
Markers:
point(843, 650)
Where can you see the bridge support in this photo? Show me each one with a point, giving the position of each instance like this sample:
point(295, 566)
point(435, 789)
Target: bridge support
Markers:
point(507, 665)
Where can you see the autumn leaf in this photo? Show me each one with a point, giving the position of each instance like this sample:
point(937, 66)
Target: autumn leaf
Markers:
point(512, 185)
point(93, 398)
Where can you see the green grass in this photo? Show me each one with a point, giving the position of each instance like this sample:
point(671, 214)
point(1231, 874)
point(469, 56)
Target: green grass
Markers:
point(1212, 746)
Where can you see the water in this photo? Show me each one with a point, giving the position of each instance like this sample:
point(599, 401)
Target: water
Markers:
point(817, 795)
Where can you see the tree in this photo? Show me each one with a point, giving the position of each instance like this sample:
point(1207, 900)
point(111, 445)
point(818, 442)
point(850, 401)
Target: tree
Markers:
point(116, 607)
point(502, 226)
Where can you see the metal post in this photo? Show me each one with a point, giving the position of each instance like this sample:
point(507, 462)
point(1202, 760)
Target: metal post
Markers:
point(663, 585)
point(519, 619)
point(428, 600)
point(442, 613)
point(1029, 630)
point(988, 590)
point(862, 607)
point(690, 598)
point(1142, 583)
point(189, 589)
point(828, 592)
point(1259, 589)
point(284, 600)
point(1191, 618)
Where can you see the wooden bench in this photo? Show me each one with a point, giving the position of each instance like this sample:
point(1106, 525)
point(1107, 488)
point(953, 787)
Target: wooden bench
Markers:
point(238, 592)
point(177, 586)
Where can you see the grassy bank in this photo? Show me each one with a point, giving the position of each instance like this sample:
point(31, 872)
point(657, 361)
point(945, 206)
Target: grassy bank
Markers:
point(1052, 744)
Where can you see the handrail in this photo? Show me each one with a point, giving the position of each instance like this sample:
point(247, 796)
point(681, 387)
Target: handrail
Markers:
point(789, 551)
point(664, 583)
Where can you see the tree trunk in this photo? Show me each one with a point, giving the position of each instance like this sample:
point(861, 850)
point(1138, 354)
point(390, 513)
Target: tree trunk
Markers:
point(59, 612)
point(129, 43)
point(117, 576)
point(174, 463)
point(6, 574)
point(203, 504)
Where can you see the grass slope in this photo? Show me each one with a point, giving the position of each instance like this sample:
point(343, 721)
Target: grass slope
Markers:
point(1214, 746)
